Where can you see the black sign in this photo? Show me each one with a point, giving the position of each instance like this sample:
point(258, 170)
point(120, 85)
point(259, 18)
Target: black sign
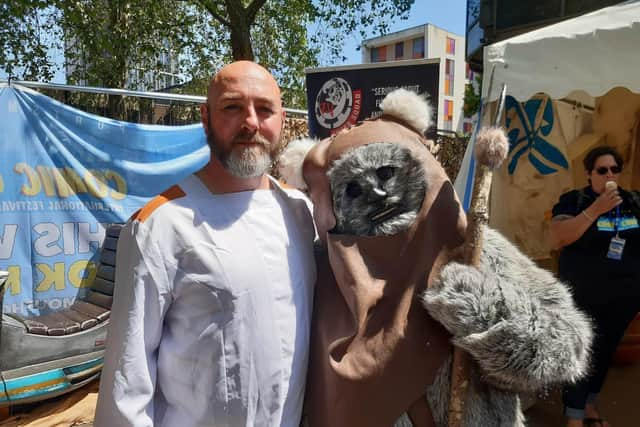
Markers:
point(340, 97)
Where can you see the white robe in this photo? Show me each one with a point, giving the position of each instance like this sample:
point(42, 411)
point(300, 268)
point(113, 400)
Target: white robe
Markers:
point(211, 312)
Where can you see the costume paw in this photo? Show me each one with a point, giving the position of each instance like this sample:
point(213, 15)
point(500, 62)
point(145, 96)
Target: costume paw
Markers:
point(516, 320)
point(464, 300)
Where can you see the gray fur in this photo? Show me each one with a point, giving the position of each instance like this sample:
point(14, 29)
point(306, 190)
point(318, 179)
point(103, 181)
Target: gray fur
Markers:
point(358, 167)
point(516, 320)
point(518, 323)
point(486, 406)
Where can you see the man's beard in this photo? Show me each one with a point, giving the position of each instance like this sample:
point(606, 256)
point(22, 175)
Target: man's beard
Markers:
point(243, 161)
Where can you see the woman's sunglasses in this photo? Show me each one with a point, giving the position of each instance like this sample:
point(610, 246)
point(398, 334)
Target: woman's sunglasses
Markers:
point(602, 170)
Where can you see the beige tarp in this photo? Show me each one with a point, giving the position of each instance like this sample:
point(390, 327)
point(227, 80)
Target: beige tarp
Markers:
point(521, 201)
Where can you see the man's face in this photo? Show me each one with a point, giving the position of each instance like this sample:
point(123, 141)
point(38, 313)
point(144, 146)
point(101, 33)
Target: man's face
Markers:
point(243, 119)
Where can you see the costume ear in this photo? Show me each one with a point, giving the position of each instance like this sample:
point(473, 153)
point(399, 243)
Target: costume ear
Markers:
point(409, 107)
point(290, 162)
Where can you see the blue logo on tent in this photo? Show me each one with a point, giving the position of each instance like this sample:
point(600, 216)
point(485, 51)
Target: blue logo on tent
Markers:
point(535, 117)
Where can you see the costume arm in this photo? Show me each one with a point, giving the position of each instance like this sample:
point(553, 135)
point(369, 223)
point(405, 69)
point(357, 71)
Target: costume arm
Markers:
point(141, 299)
point(518, 322)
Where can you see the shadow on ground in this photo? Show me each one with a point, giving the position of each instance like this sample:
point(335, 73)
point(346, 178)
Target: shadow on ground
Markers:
point(619, 401)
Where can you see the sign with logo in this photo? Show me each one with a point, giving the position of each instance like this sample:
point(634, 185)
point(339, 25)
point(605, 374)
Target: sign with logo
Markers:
point(339, 97)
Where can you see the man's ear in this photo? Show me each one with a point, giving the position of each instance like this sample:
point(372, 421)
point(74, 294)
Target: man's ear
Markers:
point(284, 117)
point(204, 117)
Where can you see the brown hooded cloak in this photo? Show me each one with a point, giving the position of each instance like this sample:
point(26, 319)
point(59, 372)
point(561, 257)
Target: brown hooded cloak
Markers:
point(374, 348)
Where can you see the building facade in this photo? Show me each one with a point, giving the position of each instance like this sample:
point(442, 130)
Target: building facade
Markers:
point(490, 21)
point(431, 42)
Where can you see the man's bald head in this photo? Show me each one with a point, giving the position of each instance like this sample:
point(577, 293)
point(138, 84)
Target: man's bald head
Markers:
point(244, 71)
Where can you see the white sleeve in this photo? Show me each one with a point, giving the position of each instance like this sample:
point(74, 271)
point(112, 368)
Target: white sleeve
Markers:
point(142, 296)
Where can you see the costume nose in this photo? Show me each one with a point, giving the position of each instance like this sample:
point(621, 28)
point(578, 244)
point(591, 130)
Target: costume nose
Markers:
point(377, 194)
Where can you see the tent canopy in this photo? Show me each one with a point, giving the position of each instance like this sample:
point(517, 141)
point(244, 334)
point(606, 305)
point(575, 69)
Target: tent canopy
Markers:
point(593, 53)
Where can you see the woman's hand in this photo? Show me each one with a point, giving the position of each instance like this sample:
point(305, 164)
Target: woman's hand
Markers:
point(564, 231)
point(606, 201)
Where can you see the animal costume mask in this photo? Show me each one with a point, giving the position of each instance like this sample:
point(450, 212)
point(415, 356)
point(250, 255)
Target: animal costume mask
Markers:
point(391, 224)
point(371, 334)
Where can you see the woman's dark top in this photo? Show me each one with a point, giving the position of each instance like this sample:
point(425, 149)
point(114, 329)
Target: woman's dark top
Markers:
point(596, 279)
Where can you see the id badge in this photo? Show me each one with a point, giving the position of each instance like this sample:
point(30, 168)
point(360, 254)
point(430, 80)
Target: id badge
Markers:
point(616, 247)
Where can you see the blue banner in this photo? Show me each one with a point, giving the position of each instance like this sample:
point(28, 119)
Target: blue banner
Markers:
point(64, 175)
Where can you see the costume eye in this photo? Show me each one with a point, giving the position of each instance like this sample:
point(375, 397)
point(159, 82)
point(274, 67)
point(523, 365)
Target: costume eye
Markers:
point(385, 172)
point(353, 189)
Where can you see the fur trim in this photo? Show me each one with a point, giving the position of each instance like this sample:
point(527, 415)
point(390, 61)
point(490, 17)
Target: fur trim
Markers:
point(409, 107)
point(290, 162)
point(518, 322)
point(492, 146)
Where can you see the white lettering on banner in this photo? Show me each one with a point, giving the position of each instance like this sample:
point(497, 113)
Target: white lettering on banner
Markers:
point(21, 205)
point(12, 308)
point(38, 304)
point(58, 205)
point(8, 240)
point(385, 90)
point(66, 205)
point(46, 243)
point(68, 236)
point(86, 237)
point(49, 242)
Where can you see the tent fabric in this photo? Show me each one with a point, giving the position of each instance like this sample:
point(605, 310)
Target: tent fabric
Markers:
point(66, 174)
point(594, 53)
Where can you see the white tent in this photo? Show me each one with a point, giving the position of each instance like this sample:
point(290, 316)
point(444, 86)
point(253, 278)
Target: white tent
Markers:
point(593, 53)
point(578, 59)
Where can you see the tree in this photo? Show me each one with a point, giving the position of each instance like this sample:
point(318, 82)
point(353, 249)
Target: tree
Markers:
point(275, 32)
point(28, 26)
point(113, 43)
point(472, 97)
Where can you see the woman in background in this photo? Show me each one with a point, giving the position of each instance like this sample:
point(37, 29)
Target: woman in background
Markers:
point(597, 230)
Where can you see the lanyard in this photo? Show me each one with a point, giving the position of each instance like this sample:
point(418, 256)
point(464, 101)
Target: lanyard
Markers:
point(616, 223)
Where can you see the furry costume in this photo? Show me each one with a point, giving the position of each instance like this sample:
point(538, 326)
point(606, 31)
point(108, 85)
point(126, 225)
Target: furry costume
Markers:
point(374, 351)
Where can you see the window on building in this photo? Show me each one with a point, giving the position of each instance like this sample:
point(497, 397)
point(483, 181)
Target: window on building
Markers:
point(399, 50)
point(451, 46)
point(418, 48)
point(467, 128)
point(448, 114)
point(379, 54)
point(449, 77)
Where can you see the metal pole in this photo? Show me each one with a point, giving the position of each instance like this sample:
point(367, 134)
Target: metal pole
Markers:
point(124, 92)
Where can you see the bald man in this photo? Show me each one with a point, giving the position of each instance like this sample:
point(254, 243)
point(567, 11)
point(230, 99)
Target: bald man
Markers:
point(212, 305)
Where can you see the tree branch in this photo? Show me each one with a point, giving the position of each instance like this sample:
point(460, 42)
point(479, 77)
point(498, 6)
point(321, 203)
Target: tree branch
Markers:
point(253, 8)
point(214, 11)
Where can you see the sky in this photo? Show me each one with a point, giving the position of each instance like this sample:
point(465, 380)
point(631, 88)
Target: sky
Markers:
point(449, 15)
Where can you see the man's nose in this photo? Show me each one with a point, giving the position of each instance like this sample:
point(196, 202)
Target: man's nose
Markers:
point(251, 119)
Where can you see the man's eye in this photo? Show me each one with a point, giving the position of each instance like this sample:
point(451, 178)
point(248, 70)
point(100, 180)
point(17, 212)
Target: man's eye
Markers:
point(353, 190)
point(265, 110)
point(231, 107)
